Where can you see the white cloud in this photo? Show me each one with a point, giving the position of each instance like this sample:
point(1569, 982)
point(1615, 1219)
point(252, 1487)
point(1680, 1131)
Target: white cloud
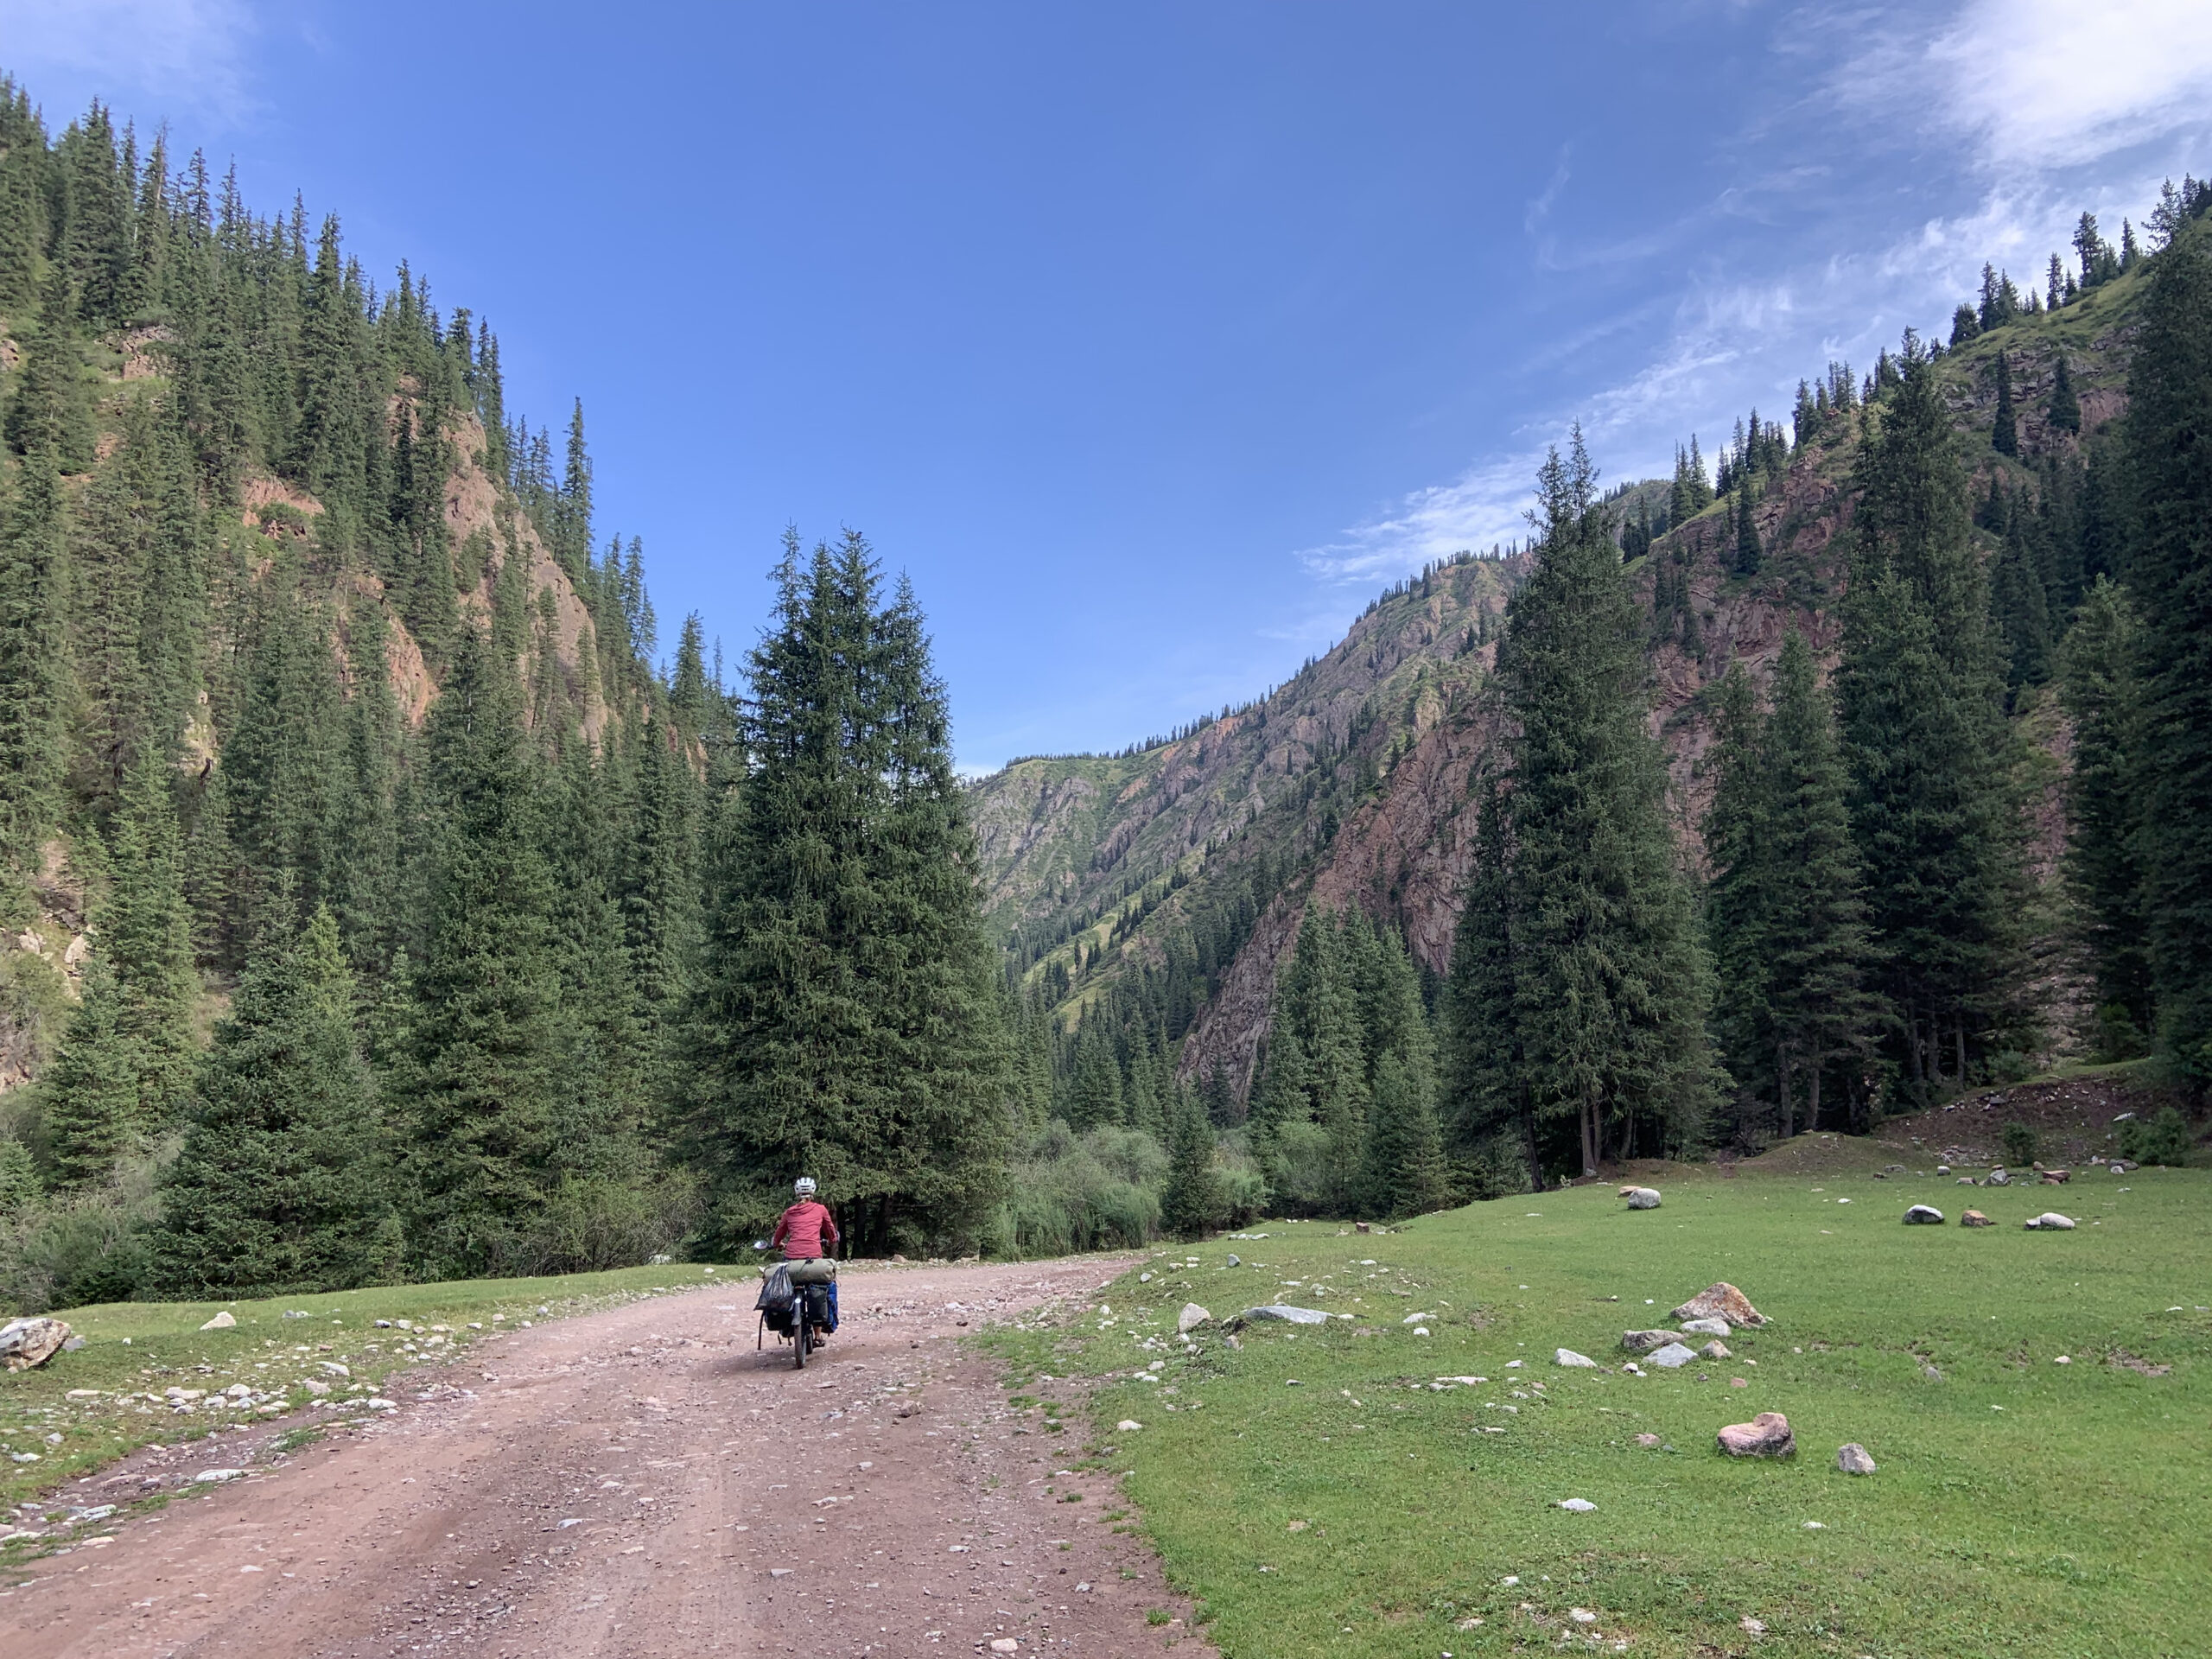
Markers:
point(1484, 505)
point(2056, 83)
point(187, 53)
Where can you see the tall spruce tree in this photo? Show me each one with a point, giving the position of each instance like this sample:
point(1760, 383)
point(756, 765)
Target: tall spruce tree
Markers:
point(1191, 1204)
point(1486, 1086)
point(2005, 434)
point(2168, 437)
point(283, 1182)
point(33, 605)
point(1609, 978)
point(2065, 406)
point(483, 1132)
point(847, 1022)
point(1921, 695)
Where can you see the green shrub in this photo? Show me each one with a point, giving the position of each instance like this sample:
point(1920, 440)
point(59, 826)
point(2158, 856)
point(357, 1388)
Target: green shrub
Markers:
point(2019, 1142)
point(96, 1246)
point(2161, 1139)
point(1100, 1191)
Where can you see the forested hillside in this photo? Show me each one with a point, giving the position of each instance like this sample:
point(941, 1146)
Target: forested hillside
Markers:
point(324, 723)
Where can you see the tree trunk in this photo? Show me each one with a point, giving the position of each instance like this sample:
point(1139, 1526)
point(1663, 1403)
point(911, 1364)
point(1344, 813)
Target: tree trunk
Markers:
point(1785, 1087)
point(1813, 1097)
point(1961, 1029)
point(1529, 1140)
point(1589, 1137)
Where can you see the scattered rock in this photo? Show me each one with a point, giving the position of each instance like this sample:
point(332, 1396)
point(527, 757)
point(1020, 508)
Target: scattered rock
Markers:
point(1286, 1313)
point(1967, 1180)
point(216, 1476)
point(1580, 1505)
point(1672, 1357)
point(1647, 1440)
point(222, 1321)
point(1851, 1458)
point(1715, 1350)
point(1006, 1644)
point(1582, 1616)
point(1568, 1356)
point(1973, 1218)
point(2056, 1177)
point(1128, 1425)
point(2120, 1165)
point(1766, 1435)
point(1722, 1300)
point(2050, 1221)
point(1190, 1317)
point(27, 1343)
point(1362, 1227)
point(1641, 1198)
point(1893, 1169)
point(1643, 1342)
point(1997, 1178)
point(1923, 1215)
point(1751, 1625)
point(1706, 1327)
point(1234, 1260)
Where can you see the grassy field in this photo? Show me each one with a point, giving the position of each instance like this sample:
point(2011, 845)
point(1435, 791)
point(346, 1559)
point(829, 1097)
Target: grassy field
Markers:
point(86, 1408)
point(1321, 1494)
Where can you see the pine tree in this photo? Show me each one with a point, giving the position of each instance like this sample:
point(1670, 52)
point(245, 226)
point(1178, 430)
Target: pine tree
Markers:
point(2018, 603)
point(1748, 552)
point(145, 933)
point(1610, 979)
point(2104, 865)
point(2170, 567)
point(52, 405)
point(1921, 691)
point(1190, 1206)
point(1740, 900)
point(34, 604)
point(1403, 1166)
point(1487, 1084)
point(93, 1092)
point(2065, 407)
point(2005, 438)
point(846, 1022)
point(282, 1180)
point(483, 1130)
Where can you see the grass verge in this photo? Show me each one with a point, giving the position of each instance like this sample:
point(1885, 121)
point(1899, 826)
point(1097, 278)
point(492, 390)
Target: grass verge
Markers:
point(1329, 1491)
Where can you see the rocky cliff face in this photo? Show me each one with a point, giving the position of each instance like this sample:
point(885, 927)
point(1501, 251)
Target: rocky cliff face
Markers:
point(1399, 706)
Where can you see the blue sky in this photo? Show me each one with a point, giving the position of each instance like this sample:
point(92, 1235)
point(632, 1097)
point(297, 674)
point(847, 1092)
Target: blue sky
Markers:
point(1151, 339)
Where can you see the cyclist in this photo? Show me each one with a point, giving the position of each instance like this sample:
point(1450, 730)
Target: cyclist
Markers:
point(807, 1232)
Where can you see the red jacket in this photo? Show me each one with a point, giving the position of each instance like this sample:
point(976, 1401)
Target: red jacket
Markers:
point(803, 1231)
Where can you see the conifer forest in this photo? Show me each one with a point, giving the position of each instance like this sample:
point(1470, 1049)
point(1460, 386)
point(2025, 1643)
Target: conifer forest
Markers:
point(387, 895)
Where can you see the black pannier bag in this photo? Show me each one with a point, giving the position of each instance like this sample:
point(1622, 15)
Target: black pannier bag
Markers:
point(778, 1301)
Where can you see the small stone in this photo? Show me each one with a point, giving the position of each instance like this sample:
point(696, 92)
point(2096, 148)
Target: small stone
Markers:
point(381, 1404)
point(1672, 1357)
point(1287, 1314)
point(222, 1321)
point(1997, 1177)
point(1751, 1625)
point(1643, 1342)
point(1647, 1440)
point(1816, 1526)
point(2054, 1176)
point(1923, 1215)
point(1721, 1300)
point(1851, 1458)
point(1582, 1615)
point(1579, 1505)
point(1706, 1327)
point(1967, 1180)
point(216, 1476)
point(1006, 1644)
point(1190, 1317)
point(1641, 1198)
point(1766, 1435)
point(1569, 1357)
point(1234, 1260)
point(1714, 1351)
point(2050, 1221)
point(1973, 1218)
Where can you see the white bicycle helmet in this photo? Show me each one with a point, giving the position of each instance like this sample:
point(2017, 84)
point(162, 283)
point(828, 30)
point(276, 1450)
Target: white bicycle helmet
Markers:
point(803, 1186)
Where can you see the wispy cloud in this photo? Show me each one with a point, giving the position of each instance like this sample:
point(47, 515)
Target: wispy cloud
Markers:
point(1484, 505)
point(188, 53)
point(2058, 83)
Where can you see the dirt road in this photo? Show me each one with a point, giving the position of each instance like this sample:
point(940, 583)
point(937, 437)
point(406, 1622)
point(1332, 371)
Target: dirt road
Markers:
point(641, 1481)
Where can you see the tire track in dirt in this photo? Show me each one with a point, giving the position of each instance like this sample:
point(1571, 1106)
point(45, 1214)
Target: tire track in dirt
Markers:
point(640, 1482)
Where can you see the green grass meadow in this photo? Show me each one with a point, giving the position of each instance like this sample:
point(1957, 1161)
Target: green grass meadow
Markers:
point(1318, 1496)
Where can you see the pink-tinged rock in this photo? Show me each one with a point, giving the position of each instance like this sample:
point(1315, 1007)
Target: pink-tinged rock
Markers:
point(1722, 1301)
point(29, 1342)
point(1766, 1435)
point(1973, 1218)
